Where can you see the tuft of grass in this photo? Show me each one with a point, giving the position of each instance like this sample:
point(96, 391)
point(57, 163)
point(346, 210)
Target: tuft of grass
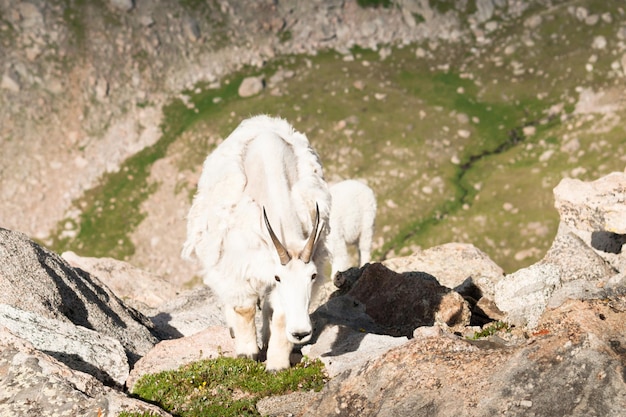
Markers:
point(225, 386)
point(491, 329)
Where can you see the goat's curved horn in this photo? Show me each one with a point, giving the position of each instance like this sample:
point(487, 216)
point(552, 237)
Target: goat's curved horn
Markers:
point(282, 252)
point(307, 252)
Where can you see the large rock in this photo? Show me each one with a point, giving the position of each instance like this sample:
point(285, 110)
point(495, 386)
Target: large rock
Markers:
point(35, 279)
point(461, 266)
point(402, 302)
point(138, 288)
point(77, 347)
point(572, 366)
point(524, 295)
point(596, 213)
point(576, 259)
point(593, 206)
point(576, 266)
point(570, 269)
point(36, 384)
point(342, 348)
point(190, 312)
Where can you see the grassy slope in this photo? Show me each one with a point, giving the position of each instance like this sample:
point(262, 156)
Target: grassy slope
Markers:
point(403, 123)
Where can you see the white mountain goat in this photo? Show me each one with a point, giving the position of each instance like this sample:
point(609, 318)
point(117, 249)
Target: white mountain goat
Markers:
point(351, 223)
point(257, 225)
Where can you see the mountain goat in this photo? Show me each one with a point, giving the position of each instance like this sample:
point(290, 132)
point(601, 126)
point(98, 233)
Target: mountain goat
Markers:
point(257, 225)
point(351, 223)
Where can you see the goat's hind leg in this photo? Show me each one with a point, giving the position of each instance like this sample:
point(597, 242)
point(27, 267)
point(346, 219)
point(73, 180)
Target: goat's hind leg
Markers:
point(243, 329)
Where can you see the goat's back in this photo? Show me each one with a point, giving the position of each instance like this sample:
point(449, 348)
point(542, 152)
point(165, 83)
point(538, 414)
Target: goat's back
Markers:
point(264, 162)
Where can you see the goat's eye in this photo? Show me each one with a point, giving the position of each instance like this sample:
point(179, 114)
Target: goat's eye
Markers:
point(313, 277)
point(277, 278)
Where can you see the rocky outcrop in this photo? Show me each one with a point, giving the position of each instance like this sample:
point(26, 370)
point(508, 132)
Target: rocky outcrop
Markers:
point(577, 265)
point(595, 211)
point(423, 300)
point(38, 281)
point(577, 357)
point(138, 288)
point(594, 206)
point(79, 348)
point(34, 383)
point(463, 267)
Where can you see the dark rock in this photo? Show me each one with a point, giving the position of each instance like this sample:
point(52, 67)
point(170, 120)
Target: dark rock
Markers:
point(402, 302)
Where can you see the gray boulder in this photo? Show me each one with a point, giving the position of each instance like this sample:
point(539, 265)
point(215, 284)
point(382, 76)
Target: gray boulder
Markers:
point(136, 287)
point(77, 347)
point(594, 205)
point(524, 294)
point(37, 280)
point(595, 212)
point(188, 313)
point(36, 384)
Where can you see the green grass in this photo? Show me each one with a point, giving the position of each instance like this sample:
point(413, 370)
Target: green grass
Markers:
point(491, 329)
point(225, 386)
point(110, 211)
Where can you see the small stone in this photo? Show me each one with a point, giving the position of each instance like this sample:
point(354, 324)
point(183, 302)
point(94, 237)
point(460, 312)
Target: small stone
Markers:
point(251, 86)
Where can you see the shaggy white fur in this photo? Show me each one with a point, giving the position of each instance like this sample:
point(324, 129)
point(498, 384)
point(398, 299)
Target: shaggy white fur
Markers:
point(351, 223)
point(263, 165)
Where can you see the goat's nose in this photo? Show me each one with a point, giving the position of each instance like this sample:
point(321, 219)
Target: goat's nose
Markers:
point(300, 335)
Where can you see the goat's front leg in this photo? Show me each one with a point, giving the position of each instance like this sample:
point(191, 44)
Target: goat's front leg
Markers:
point(278, 348)
point(240, 319)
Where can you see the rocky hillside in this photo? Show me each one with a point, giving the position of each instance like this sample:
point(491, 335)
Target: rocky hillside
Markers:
point(462, 117)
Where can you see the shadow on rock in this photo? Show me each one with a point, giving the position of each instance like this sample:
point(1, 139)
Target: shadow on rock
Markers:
point(375, 299)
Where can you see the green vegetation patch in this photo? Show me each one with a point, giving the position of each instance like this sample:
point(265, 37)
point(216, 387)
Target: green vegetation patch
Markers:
point(225, 386)
point(491, 329)
point(112, 210)
point(374, 3)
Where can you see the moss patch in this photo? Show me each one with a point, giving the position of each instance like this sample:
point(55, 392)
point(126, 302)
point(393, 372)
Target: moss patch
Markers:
point(225, 386)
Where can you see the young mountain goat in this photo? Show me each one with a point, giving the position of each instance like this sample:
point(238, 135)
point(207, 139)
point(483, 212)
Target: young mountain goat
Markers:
point(351, 223)
point(257, 225)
